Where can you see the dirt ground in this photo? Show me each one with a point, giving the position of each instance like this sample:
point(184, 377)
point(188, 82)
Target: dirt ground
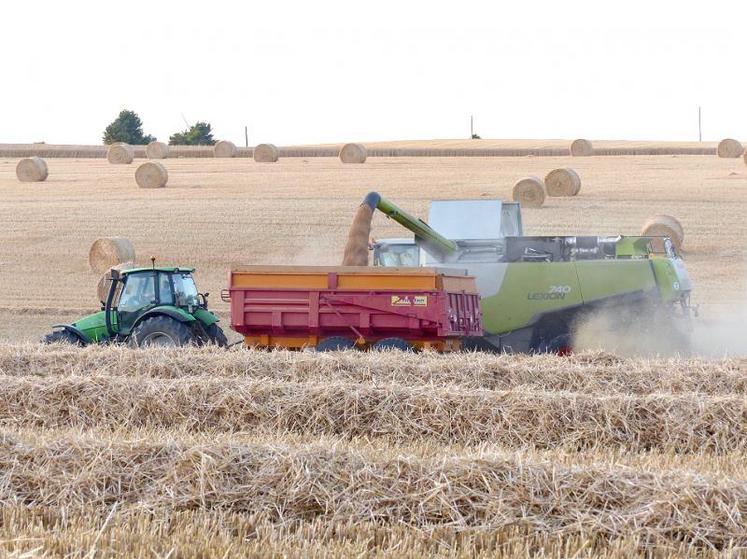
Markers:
point(218, 212)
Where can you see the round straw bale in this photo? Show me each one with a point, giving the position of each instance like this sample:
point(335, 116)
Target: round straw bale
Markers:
point(663, 225)
point(224, 148)
point(529, 192)
point(562, 182)
point(353, 153)
point(266, 153)
point(110, 251)
point(120, 154)
point(581, 148)
point(730, 148)
point(32, 169)
point(151, 175)
point(102, 288)
point(157, 150)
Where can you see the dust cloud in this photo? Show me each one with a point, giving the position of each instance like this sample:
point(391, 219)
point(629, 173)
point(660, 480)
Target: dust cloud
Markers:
point(631, 333)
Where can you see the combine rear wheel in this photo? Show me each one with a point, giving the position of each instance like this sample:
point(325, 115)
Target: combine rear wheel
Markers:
point(388, 344)
point(335, 343)
point(162, 331)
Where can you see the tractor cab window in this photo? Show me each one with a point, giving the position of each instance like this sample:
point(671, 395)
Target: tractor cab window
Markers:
point(165, 295)
point(138, 292)
point(185, 290)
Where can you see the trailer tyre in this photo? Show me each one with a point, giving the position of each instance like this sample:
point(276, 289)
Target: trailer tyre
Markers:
point(335, 343)
point(388, 344)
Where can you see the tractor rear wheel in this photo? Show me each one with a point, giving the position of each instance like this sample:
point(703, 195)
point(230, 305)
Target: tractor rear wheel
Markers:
point(335, 343)
point(61, 337)
point(216, 335)
point(162, 331)
point(388, 344)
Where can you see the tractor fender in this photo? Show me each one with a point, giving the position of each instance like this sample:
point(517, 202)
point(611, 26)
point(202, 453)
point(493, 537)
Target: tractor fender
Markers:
point(85, 340)
point(172, 312)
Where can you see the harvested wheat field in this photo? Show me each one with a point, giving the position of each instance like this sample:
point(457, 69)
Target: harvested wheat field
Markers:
point(196, 452)
point(218, 212)
point(109, 452)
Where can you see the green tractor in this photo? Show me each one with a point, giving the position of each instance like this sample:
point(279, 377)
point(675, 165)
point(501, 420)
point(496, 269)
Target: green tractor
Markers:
point(147, 307)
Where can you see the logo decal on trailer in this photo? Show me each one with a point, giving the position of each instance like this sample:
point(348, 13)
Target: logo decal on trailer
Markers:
point(409, 301)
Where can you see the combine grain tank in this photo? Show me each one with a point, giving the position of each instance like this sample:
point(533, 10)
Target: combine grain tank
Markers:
point(298, 307)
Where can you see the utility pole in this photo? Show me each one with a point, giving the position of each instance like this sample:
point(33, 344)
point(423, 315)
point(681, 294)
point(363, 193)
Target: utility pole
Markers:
point(471, 127)
point(700, 126)
point(246, 136)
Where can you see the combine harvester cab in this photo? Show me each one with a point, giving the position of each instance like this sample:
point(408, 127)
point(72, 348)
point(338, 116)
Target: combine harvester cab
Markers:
point(347, 307)
point(536, 291)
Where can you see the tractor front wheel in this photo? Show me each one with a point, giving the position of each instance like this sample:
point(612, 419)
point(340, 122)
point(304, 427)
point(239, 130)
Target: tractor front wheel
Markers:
point(61, 337)
point(162, 331)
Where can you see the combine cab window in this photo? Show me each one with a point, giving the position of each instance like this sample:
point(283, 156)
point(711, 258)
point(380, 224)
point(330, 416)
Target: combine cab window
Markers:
point(397, 256)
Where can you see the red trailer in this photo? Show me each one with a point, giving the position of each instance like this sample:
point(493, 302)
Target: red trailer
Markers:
point(295, 307)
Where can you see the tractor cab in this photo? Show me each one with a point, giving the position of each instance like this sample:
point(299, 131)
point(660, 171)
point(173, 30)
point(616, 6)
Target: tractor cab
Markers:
point(147, 306)
point(139, 290)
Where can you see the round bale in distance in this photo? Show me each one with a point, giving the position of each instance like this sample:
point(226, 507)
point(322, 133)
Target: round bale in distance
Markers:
point(224, 148)
point(108, 252)
point(266, 153)
point(581, 148)
point(120, 154)
point(730, 148)
point(353, 153)
point(663, 225)
point(151, 175)
point(529, 192)
point(32, 169)
point(562, 182)
point(157, 150)
point(102, 288)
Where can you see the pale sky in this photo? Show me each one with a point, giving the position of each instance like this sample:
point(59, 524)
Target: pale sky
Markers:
point(300, 72)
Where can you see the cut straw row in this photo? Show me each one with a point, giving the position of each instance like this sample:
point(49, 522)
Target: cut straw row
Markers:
point(588, 373)
point(514, 418)
point(286, 484)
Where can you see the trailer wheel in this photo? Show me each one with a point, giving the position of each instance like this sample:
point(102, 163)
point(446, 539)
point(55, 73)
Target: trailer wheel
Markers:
point(335, 343)
point(388, 344)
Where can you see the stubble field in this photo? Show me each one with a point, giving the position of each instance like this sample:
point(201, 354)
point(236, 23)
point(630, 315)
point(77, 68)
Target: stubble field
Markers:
point(202, 452)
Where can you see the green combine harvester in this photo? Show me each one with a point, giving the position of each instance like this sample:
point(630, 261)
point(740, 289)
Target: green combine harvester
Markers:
point(536, 290)
point(147, 307)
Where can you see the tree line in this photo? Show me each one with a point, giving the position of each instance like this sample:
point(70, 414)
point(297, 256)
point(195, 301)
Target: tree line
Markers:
point(128, 128)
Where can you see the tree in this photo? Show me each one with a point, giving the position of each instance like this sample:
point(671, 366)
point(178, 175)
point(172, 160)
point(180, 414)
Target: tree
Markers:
point(199, 134)
point(128, 128)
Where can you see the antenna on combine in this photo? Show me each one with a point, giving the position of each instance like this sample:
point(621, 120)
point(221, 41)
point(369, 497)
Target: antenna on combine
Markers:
point(153, 262)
